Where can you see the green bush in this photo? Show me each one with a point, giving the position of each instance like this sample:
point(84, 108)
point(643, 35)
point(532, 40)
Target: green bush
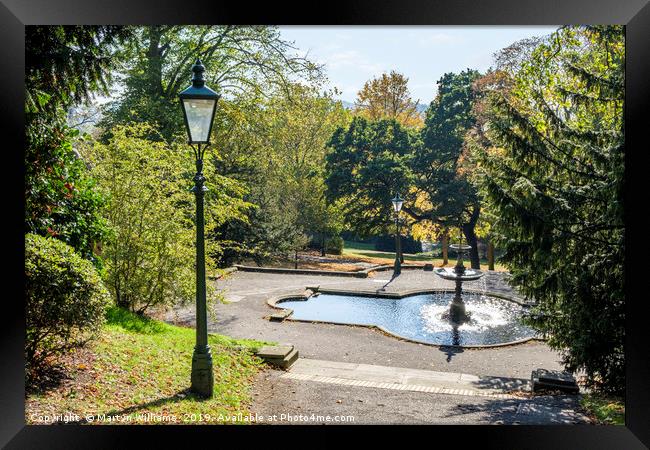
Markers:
point(150, 254)
point(334, 245)
point(65, 300)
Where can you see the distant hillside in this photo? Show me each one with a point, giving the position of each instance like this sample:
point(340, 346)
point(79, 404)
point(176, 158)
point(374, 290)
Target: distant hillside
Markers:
point(347, 105)
point(422, 107)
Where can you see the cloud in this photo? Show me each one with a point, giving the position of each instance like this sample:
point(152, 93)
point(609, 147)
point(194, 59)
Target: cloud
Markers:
point(432, 40)
point(351, 58)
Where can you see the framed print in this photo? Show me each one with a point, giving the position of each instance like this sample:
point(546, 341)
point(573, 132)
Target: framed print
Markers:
point(412, 213)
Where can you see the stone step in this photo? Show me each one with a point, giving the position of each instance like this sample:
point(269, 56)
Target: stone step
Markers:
point(552, 380)
point(407, 379)
point(289, 360)
point(280, 315)
point(282, 356)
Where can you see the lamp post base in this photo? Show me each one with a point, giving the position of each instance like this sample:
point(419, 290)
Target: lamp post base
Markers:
point(202, 374)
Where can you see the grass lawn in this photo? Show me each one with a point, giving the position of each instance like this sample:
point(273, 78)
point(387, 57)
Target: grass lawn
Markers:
point(139, 368)
point(607, 411)
point(365, 252)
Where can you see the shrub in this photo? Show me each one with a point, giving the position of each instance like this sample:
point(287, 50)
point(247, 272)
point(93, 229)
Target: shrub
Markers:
point(61, 199)
point(150, 254)
point(334, 245)
point(65, 300)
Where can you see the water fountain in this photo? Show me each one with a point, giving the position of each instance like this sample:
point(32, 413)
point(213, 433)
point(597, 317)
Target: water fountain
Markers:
point(433, 316)
point(457, 314)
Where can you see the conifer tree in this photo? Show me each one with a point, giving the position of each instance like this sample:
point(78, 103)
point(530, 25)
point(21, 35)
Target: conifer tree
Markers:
point(550, 148)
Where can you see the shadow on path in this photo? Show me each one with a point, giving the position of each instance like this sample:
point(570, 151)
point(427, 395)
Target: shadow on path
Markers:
point(546, 410)
point(455, 348)
point(451, 351)
point(383, 288)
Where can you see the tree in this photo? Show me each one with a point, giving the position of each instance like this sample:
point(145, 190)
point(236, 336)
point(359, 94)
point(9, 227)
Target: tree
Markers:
point(288, 136)
point(150, 255)
point(249, 60)
point(368, 163)
point(439, 167)
point(551, 154)
point(67, 64)
point(64, 65)
point(299, 128)
point(373, 160)
point(252, 67)
point(388, 97)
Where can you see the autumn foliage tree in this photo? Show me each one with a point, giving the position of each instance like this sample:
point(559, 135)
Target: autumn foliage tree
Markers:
point(388, 97)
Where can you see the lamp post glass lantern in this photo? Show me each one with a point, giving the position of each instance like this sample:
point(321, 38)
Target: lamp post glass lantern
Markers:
point(199, 104)
point(397, 207)
point(397, 203)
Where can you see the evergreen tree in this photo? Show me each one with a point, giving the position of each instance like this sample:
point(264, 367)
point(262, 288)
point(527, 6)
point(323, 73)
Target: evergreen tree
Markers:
point(551, 152)
point(369, 162)
point(439, 165)
point(64, 66)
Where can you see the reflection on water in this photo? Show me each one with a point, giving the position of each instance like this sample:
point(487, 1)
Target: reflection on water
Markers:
point(420, 317)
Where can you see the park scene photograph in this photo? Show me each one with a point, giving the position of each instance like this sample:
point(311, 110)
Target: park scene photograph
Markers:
point(341, 225)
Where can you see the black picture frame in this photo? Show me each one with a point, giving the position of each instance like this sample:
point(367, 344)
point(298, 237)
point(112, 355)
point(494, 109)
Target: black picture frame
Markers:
point(635, 14)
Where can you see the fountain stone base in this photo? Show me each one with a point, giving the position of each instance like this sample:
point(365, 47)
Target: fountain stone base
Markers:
point(456, 313)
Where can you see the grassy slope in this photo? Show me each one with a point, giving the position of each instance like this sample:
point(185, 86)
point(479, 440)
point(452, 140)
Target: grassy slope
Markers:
point(365, 252)
point(140, 366)
point(605, 410)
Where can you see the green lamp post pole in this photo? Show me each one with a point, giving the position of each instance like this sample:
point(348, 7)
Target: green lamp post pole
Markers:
point(199, 104)
point(401, 253)
point(397, 206)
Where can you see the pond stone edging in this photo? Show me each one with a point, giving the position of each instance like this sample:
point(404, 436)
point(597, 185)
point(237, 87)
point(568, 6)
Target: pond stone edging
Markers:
point(336, 273)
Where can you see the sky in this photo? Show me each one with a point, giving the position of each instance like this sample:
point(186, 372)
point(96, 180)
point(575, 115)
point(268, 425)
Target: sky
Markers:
point(353, 55)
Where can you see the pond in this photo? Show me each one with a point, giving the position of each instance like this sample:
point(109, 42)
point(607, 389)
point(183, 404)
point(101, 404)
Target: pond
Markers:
point(420, 317)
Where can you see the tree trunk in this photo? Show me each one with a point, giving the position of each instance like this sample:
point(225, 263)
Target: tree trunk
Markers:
point(296, 260)
point(445, 248)
point(322, 244)
point(490, 255)
point(472, 240)
point(154, 86)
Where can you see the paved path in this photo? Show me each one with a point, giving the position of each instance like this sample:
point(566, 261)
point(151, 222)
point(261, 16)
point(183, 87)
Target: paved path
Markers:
point(244, 318)
point(404, 379)
point(321, 392)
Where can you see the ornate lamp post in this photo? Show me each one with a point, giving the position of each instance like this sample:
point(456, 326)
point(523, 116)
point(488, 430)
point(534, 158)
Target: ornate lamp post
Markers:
point(397, 207)
point(199, 103)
